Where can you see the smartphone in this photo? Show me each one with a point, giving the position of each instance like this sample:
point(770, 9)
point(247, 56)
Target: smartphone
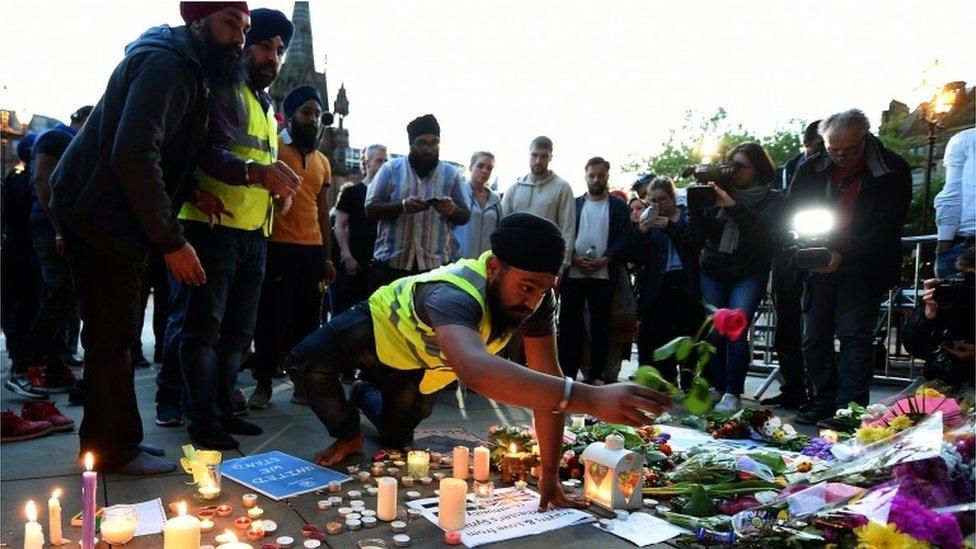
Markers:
point(432, 201)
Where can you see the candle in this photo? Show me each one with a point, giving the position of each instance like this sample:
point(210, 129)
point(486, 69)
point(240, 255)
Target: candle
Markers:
point(398, 526)
point(418, 463)
point(255, 513)
point(249, 500)
point(119, 524)
point(386, 501)
point(182, 531)
point(209, 490)
point(481, 472)
point(451, 506)
point(335, 486)
point(256, 533)
point(33, 535)
point(230, 541)
point(207, 526)
point(406, 481)
point(88, 487)
point(461, 462)
point(54, 517)
point(452, 537)
point(483, 493)
point(579, 420)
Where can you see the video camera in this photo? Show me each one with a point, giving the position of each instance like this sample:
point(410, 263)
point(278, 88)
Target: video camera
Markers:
point(806, 241)
point(950, 290)
point(700, 195)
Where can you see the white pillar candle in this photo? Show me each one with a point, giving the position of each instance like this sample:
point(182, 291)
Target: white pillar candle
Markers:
point(386, 500)
point(481, 469)
point(181, 531)
point(451, 507)
point(33, 535)
point(54, 518)
point(461, 462)
point(230, 542)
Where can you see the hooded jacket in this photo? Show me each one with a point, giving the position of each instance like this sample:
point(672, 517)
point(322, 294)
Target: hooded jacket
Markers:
point(124, 176)
point(551, 198)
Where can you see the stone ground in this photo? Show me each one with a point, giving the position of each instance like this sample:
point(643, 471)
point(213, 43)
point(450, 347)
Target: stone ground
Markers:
point(32, 469)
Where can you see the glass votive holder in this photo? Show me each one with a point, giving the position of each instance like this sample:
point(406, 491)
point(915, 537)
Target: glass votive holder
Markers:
point(483, 493)
point(578, 420)
point(371, 543)
point(209, 486)
point(418, 463)
point(119, 524)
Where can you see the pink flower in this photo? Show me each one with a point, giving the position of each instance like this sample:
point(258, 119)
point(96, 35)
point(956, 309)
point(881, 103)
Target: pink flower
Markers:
point(730, 323)
point(922, 405)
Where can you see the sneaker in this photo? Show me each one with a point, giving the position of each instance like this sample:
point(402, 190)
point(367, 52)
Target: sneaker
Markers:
point(168, 414)
point(22, 385)
point(814, 414)
point(239, 402)
point(729, 404)
point(60, 380)
point(47, 411)
point(786, 401)
point(14, 427)
point(238, 426)
point(259, 398)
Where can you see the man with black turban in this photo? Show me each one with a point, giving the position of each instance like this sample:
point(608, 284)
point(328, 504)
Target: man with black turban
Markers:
point(415, 336)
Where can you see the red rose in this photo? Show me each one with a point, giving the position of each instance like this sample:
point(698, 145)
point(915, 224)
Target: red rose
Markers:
point(665, 449)
point(730, 323)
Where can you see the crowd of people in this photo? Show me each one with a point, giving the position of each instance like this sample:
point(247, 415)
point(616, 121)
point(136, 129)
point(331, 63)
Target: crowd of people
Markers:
point(182, 182)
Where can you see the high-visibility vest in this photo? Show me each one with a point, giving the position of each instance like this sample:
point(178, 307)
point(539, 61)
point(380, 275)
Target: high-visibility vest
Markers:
point(252, 207)
point(405, 342)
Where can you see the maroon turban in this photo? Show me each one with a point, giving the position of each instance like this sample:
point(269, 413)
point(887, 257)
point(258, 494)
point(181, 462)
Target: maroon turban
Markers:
point(194, 11)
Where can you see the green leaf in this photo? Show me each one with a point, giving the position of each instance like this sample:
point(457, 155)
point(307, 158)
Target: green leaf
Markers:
point(699, 504)
point(650, 377)
point(671, 348)
point(654, 456)
point(773, 461)
point(699, 398)
point(705, 351)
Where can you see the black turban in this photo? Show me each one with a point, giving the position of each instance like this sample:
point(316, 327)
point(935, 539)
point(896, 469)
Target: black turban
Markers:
point(267, 24)
point(421, 125)
point(298, 97)
point(530, 243)
point(193, 11)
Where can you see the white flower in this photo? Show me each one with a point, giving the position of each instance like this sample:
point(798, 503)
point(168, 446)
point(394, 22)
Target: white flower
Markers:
point(789, 430)
point(844, 412)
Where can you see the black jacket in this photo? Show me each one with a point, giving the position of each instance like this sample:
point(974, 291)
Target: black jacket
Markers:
point(618, 239)
point(759, 237)
point(873, 249)
point(122, 180)
point(650, 251)
point(923, 338)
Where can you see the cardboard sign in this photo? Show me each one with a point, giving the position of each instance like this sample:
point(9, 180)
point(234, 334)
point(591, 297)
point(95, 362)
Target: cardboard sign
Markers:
point(278, 475)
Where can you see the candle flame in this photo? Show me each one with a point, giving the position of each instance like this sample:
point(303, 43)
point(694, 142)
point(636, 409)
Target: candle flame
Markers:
point(56, 494)
point(31, 511)
point(181, 508)
point(229, 537)
point(512, 448)
point(89, 461)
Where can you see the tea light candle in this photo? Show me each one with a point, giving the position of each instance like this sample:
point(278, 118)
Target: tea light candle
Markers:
point(398, 526)
point(284, 542)
point(452, 537)
point(336, 500)
point(368, 513)
point(414, 514)
point(386, 502)
point(353, 524)
point(206, 514)
point(311, 543)
point(354, 516)
point(438, 476)
point(363, 476)
point(249, 500)
point(393, 471)
point(256, 533)
point(207, 526)
point(451, 503)
point(418, 463)
point(406, 481)
point(333, 528)
point(343, 511)
point(460, 470)
point(181, 531)
point(579, 420)
point(483, 492)
point(229, 541)
point(413, 494)
point(435, 458)
point(394, 455)
point(481, 469)
point(269, 526)
point(425, 480)
point(309, 529)
point(33, 533)
point(401, 540)
point(368, 522)
point(255, 513)
point(372, 491)
point(377, 469)
point(242, 523)
point(355, 494)
point(335, 486)
point(54, 518)
point(224, 510)
point(324, 505)
point(521, 485)
point(357, 504)
point(209, 491)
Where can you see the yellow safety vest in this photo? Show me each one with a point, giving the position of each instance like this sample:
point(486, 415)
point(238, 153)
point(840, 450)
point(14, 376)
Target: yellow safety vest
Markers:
point(405, 342)
point(252, 207)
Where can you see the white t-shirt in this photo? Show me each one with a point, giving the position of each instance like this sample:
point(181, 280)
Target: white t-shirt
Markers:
point(593, 231)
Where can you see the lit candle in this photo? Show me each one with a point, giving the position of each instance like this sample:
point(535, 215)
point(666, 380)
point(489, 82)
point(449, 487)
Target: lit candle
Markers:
point(461, 462)
point(481, 470)
point(830, 435)
point(54, 517)
point(230, 542)
point(209, 490)
point(33, 535)
point(579, 420)
point(89, 481)
point(418, 463)
point(386, 500)
point(451, 507)
point(181, 531)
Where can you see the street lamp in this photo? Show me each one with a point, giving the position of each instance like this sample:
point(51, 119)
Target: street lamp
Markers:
point(24, 117)
point(935, 109)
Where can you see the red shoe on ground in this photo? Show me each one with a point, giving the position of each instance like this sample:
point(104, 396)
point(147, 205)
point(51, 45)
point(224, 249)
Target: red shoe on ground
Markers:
point(14, 427)
point(47, 411)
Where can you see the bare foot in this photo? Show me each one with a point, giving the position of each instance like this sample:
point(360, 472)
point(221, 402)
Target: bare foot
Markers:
point(339, 451)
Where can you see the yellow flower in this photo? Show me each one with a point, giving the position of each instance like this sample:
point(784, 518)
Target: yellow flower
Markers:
point(900, 423)
point(928, 392)
point(868, 435)
point(885, 536)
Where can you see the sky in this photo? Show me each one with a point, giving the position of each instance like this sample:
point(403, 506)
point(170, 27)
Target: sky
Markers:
point(604, 78)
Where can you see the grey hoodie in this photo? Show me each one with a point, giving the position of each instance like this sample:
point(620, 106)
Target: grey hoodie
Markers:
point(550, 198)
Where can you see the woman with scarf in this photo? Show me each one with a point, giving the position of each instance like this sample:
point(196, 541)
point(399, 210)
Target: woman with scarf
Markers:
point(740, 238)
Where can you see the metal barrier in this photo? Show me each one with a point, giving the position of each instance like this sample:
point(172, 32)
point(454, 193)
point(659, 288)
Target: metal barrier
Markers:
point(899, 367)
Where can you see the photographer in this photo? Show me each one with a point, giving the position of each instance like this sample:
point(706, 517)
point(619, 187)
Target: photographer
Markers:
point(944, 335)
point(867, 188)
point(738, 250)
point(669, 288)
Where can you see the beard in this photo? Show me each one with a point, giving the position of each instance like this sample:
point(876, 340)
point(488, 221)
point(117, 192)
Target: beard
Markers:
point(221, 62)
point(261, 76)
point(423, 163)
point(304, 136)
point(503, 320)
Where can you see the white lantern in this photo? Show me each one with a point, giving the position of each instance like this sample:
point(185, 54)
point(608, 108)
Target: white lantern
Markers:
point(613, 477)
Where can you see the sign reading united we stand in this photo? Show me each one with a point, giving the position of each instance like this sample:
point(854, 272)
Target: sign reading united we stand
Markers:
point(279, 475)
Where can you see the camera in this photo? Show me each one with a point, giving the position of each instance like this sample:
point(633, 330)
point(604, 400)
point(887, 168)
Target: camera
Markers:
point(806, 241)
point(700, 195)
point(949, 291)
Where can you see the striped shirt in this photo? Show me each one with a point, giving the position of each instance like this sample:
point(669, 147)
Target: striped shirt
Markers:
point(424, 240)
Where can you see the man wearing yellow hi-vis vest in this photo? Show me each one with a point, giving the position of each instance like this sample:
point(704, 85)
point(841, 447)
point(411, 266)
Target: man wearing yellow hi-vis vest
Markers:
point(415, 336)
point(228, 220)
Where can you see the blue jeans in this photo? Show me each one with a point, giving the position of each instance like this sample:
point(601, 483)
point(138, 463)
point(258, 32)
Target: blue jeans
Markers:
point(841, 303)
point(46, 339)
point(169, 380)
point(728, 368)
point(219, 318)
point(945, 262)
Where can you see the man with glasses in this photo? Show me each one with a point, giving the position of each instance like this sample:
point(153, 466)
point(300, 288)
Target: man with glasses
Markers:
point(867, 187)
point(417, 200)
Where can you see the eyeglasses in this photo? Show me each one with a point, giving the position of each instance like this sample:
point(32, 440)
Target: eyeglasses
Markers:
point(843, 152)
point(424, 144)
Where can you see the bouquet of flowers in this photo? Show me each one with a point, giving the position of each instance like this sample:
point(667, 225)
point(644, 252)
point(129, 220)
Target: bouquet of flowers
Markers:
point(757, 424)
